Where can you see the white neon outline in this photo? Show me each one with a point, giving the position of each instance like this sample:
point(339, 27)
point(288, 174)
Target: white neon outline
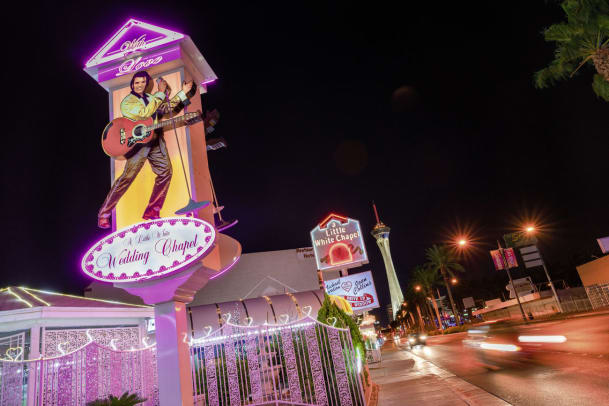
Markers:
point(98, 58)
point(207, 247)
point(307, 310)
point(352, 264)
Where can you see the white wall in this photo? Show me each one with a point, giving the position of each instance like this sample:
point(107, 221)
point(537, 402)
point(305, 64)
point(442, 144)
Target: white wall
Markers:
point(264, 274)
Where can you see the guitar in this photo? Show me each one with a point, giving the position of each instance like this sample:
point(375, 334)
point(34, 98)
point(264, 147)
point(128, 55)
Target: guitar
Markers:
point(121, 135)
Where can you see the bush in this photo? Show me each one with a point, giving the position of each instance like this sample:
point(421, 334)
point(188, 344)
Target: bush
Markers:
point(125, 400)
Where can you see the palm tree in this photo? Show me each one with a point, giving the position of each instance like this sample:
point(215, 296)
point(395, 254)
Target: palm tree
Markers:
point(413, 300)
point(427, 279)
point(582, 39)
point(442, 259)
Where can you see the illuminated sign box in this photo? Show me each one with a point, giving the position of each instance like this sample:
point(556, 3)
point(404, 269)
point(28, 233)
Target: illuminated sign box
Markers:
point(150, 249)
point(338, 244)
point(357, 289)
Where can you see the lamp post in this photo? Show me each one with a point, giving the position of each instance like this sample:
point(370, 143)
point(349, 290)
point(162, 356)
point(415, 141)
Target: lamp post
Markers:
point(507, 268)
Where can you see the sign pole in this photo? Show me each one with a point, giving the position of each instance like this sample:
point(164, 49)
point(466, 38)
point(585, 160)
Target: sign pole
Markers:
point(507, 268)
point(551, 285)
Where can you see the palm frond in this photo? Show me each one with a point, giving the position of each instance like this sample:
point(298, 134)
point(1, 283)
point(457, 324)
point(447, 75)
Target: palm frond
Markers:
point(601, 87)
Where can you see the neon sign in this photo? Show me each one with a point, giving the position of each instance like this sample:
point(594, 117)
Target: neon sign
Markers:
point(131, 37)
point(132, 65)
point(149, 249)
point(338, 243)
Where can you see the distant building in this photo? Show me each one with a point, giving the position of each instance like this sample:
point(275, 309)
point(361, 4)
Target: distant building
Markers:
point(262, 287)
point(595, 278)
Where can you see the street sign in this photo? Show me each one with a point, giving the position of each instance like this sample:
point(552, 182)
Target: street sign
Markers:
point(468, 302)
point(604, 244)
point(519, 239)
point(531, 256)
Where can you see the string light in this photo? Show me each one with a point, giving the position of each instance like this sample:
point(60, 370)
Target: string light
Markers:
point(34, 296)
point(19, 297)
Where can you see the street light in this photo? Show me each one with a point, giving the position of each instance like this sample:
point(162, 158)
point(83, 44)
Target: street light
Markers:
point(417, 288)
point(453, 281)
point(530, 229)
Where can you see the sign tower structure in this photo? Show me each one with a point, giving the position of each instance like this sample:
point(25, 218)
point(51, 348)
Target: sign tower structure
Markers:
point(164, 261)
point(381, 233)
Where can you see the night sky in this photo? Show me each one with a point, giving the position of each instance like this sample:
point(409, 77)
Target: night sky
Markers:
point(429, 110)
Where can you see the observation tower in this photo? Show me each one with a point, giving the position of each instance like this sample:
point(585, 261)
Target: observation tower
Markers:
point(381, 233)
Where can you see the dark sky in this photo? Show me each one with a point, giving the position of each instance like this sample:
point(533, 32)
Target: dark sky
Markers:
point(307, 94)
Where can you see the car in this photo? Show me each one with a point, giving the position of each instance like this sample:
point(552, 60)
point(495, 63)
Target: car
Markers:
point(417, 338)
point(503, 344)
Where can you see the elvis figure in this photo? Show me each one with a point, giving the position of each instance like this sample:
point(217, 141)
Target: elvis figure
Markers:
point(139, 105)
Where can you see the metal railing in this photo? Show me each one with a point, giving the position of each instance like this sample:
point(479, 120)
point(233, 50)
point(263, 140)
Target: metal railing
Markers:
point(299, 363)
point(89, 373)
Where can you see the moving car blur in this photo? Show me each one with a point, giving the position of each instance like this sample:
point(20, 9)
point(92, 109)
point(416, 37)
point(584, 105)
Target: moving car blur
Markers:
point(415, 339)
point(503, 344)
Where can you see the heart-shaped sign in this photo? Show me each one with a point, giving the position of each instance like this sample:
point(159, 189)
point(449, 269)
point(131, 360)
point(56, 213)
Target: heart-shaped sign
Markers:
point(14, 353)
point(209, 329)
point(284, 318)
point(346, 286)
point(307, 310)
point(332, 321)
point(249, 320)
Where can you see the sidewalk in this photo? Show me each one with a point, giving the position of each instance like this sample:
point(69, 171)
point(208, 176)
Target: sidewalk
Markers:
point(406, 379)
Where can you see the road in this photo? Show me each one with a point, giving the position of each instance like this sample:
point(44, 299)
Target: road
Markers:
point(572, 373)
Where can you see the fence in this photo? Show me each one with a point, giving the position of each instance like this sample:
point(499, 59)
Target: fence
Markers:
point(89, 373)
point(300, 363)
point(599, 295)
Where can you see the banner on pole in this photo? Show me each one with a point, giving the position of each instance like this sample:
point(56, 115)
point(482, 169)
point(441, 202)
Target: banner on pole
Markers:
point(510, 257)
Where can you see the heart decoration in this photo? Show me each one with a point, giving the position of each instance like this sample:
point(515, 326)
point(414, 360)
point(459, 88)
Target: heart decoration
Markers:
point(249, 320)
point(14, 353)
point(60, 348)
point(332, 321)
point(284, 318)
point(307, 310)
point(227, 317)
point(346, 286)
point(209, 329)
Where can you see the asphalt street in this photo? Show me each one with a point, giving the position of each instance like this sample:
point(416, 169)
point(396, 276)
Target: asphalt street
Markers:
point(571, 373)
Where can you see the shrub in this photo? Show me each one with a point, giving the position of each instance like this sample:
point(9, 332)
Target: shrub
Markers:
point(125, 400)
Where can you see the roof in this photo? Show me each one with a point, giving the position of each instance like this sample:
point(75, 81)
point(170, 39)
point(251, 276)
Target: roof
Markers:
point(13, 298)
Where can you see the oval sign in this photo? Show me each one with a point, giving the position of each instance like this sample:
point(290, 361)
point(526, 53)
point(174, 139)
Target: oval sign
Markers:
point(149, 249)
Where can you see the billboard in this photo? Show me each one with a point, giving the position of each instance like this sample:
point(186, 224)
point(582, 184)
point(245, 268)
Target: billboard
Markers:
point(358, 289)
point(338, 243)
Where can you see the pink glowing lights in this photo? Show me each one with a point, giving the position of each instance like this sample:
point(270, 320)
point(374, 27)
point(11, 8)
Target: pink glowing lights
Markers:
point(132, 37)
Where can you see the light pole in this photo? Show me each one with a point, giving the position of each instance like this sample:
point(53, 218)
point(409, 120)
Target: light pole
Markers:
point(507, 268)
point(531, 230)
